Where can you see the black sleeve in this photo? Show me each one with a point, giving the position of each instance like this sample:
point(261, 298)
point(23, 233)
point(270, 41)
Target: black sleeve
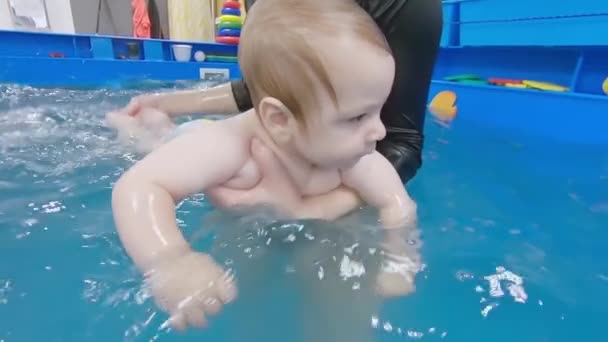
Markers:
point(412, 29)
point(241, 95)
point(239, 87)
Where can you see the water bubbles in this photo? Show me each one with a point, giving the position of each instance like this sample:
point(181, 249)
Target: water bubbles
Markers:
point(350, 250)
point(52, 207)
point(486, 310)
point(374, 321)
point(518, 293)
point(514, 285)
point(391, 328)
point(415, 334)
point(29, 222)
point(351, 268)
point(290, 238)
point(6, 287)
point(464, 275)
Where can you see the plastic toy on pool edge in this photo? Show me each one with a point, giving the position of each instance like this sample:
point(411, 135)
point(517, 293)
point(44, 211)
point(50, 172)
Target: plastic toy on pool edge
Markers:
point(605, 86)
point(230, 23)
point(443, 106)
point(509, 83)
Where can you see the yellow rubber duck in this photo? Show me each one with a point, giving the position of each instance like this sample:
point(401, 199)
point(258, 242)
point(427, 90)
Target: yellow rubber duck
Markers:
point(605, 86)
point(443, 106)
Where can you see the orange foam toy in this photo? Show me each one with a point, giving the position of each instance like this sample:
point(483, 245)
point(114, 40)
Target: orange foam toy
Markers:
point(443, 105)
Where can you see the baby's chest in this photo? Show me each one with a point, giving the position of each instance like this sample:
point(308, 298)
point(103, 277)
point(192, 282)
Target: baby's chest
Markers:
point(321, 182)
point(246, 178)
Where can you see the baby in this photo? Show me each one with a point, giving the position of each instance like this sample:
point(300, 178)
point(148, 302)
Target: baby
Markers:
point(319, 72)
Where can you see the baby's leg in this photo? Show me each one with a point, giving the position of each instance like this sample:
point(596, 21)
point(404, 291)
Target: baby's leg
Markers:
point(337, 273)
point(146, 131)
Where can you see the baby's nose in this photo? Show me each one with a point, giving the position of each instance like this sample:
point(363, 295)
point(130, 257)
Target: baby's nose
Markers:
point(377, 130)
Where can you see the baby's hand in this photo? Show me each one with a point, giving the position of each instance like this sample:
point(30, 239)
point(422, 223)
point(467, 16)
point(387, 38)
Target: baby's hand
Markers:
point(139, 103)
point(396, 276)
point(191, 288)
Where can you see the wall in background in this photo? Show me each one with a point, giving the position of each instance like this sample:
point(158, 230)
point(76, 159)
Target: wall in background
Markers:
point(114, 17)
point(59, 14)
point(5, 16)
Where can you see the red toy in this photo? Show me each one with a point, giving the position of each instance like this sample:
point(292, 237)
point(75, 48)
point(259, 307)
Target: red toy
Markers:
point(227, 40)
point(232, 4)
point(503, 81)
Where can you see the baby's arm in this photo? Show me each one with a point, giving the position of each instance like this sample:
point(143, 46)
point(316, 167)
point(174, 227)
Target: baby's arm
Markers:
point(329, 206)
point(379, 185)
point(144, 198)
point(143, 203)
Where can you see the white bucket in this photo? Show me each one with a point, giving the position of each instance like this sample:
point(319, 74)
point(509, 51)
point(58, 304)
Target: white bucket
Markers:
point(182, 52)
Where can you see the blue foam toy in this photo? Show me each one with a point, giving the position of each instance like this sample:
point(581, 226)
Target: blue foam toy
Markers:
point(231, 11)
point(227, 32)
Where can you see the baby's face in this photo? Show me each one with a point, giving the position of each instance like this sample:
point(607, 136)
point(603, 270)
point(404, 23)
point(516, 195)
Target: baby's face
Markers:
point(338, 136)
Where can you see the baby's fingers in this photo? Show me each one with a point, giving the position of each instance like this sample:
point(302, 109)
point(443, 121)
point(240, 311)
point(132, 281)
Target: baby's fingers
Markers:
point(226, 288)
point(195, 316)
point(133, 107)
point(178, 321)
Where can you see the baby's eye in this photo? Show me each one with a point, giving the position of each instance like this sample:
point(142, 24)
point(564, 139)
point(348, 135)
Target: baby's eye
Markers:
point(358, 118)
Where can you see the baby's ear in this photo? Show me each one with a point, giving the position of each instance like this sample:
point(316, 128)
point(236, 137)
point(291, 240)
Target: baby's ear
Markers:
point(277, 118)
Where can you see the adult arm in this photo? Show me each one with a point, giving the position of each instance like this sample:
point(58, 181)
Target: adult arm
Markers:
point(228, 98)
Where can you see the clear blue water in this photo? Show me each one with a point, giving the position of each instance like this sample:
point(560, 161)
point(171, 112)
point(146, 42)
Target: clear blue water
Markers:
point(487, 200)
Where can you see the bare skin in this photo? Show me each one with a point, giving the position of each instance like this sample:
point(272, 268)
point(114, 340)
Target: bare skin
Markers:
point(337, 151)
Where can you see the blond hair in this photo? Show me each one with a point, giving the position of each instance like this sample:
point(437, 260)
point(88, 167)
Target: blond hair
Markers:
point(277, 54)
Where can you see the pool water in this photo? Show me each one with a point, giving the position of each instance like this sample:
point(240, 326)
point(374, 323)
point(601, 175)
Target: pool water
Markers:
point(514, 234)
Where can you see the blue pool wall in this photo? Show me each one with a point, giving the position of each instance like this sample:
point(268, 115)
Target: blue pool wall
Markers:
point(31, 58)
point(563, 42)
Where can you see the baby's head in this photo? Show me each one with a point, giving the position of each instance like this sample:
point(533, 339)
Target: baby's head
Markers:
point(319, 72)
